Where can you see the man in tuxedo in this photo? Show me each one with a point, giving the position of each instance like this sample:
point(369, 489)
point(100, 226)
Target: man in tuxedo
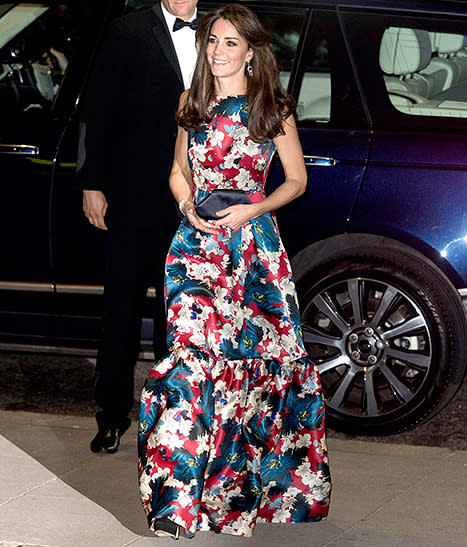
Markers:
point(127, 138)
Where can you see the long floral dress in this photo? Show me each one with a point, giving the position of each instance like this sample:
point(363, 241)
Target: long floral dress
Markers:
point(231, 424)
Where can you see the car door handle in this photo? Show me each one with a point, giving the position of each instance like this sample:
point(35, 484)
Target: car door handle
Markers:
point(315, 161)
point(24, 149)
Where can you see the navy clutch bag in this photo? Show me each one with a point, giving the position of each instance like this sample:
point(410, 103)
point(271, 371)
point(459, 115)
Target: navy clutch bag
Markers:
point(217, 200)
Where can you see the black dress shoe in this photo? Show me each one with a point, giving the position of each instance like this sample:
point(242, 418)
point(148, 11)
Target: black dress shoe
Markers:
point(108, 437)
point(166, 528)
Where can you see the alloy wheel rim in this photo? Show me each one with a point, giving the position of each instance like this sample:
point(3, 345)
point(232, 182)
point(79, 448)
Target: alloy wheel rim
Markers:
point(372, 344)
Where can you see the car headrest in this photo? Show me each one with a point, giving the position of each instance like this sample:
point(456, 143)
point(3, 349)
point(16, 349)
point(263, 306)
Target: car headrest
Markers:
point(449, 43)
point(404, 50)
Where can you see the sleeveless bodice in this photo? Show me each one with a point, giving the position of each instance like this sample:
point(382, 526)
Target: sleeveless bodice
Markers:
point(223, 155)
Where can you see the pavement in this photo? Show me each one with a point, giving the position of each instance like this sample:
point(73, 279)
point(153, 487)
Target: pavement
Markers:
point(55, 493)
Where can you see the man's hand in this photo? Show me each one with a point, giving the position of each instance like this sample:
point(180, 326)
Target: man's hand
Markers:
point(94, 207)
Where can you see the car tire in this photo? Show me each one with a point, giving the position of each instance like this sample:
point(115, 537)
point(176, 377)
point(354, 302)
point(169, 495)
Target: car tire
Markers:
point(388, 332)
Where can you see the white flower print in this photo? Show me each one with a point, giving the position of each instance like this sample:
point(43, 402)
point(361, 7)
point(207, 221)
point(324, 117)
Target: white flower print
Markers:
point(289, 341)
point(268, 328)
point(304, 440)
point(215, 137)
point(185, 499)
point(272, 259)
point(230, 160)
point(260, 164)
point(198, 339)
point(239, 528)
point(255, 404)
point(163, 366)
point(213, 178)
point(282, 515)
point(247, 238)
point(274, 350)
point(308, 477)
point(243, 179)
point(315, 481)
point(205, 271)
point(287, 285)
point(227, 331)
point(313, 383)
point(197, 154)
point(238, 372)
point(203, 444)
point(212, 340)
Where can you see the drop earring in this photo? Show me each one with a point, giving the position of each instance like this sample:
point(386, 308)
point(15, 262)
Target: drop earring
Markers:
point(249, 69)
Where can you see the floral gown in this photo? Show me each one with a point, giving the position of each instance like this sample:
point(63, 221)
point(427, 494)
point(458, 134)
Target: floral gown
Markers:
point(231, 422)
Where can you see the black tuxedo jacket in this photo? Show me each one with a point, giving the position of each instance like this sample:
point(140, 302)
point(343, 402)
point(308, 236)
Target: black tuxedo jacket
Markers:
point(127, 129)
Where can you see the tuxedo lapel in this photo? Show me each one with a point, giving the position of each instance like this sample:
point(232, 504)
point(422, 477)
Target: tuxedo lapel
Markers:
point(162, 35)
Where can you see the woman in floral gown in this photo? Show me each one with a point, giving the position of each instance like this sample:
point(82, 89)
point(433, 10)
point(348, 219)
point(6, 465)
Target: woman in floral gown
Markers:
point(231, 424)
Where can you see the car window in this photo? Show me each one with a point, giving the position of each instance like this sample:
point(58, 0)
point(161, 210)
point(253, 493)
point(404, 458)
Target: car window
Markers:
point(412, 69)
point(327, 91)
point(37, 42)
point(285, 28)
point(314, 100)
point(425, 72)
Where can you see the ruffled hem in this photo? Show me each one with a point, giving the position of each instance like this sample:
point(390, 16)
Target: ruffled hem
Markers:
point(224, 444)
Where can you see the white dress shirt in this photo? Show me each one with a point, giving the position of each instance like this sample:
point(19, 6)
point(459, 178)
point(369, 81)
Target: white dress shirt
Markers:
point(184, 43)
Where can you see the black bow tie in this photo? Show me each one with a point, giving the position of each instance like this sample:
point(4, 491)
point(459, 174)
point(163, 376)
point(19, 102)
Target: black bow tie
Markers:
point(179, 23)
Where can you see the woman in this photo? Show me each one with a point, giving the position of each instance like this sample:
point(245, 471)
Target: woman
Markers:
point(231, 425)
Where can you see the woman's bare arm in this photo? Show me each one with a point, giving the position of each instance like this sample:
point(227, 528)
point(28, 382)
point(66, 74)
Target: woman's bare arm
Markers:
point(291, 156)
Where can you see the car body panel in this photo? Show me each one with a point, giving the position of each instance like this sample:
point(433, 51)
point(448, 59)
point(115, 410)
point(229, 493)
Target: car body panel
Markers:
point(418, 197)
point(308, 219)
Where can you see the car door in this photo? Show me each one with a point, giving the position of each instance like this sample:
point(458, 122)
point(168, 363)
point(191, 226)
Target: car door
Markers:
point(414, 71)
point(44, 51)
point(334, 134)
point(28, 137)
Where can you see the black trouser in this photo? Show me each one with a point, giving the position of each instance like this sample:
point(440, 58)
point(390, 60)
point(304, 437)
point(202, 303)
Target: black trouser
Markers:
point(135, 261)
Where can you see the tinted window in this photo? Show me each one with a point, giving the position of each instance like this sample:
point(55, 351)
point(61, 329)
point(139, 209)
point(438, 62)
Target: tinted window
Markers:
point(326, 87)
point(413, 70)
point(37, 42)
point(425, 72)
point(285, 28)
point(314, 100)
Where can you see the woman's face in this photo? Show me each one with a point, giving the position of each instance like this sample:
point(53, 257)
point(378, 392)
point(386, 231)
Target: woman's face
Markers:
point(227, 52)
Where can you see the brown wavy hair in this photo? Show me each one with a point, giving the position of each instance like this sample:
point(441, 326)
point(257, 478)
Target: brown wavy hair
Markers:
point(268, 103)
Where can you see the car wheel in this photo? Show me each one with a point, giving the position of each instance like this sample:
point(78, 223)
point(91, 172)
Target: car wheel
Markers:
point(388, 333)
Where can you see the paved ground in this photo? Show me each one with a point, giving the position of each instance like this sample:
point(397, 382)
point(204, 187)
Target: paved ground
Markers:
point(55, 493)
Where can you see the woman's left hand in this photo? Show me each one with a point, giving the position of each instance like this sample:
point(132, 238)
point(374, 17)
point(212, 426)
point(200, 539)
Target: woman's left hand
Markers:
point(237, 215)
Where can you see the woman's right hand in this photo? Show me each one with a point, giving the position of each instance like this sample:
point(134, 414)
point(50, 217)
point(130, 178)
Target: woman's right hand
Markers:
point(188, 209)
